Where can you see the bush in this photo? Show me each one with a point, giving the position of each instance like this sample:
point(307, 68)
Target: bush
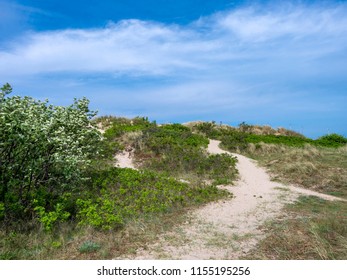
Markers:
point(234, 140)
point(175, 150)
point(209, 129)
point(119, 126)
point(48, 219)
point(44, 150)
point(331, 140)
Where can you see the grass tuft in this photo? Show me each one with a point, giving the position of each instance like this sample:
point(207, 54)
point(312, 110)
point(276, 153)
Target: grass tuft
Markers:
point(89, 247)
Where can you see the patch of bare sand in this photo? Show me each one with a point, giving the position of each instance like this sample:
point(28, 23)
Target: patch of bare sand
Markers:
point(227, 229)
point(125, 160)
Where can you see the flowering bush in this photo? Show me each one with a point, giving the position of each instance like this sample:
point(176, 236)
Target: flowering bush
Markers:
point(43, 152)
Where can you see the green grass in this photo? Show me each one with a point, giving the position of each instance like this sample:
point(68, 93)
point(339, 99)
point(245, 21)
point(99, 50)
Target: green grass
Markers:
point(330, 141)
point(312, 229)
point(69, 242)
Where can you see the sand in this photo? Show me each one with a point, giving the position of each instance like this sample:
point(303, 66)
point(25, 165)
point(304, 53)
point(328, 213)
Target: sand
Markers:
point(124, 160)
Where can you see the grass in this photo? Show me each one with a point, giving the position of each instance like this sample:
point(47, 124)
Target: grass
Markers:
point(317, 168)
point(71, 242)
point(238, 138)
point(312, 229)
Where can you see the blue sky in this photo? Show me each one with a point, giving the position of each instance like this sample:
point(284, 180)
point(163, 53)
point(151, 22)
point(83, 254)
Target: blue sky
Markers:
point(281, 63)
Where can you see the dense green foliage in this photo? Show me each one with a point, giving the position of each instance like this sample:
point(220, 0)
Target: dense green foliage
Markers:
point(44, 150)
point(119, 126)
point(332, 140)
point(162, 140)
point(209, 129)
point(125, 194)
point(174, 149)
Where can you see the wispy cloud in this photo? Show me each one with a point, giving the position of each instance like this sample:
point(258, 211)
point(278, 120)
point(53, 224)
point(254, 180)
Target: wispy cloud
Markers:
point(252, 57)
point(288, 20)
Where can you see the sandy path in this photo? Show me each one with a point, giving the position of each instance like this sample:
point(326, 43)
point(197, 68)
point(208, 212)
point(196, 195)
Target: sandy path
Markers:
point(227, 229)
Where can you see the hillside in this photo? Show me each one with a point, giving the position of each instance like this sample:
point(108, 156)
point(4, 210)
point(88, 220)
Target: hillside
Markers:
point(63, 185)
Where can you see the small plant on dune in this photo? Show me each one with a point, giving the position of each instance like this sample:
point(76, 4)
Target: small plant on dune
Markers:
point(89, 247)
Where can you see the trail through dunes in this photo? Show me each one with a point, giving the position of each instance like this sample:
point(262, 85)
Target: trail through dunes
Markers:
point(227, 229)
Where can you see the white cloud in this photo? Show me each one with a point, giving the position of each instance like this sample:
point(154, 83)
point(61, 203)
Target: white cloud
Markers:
point(147, 48)
point(262, 24)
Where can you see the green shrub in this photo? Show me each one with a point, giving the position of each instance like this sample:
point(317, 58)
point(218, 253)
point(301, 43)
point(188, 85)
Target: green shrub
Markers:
point(209, 129)
point(48, 219)
point(175, 150)
point(44, 151)
point(119, 126)
point(331, 140)
point(234, 140)
point(127, 194)
point(101, 213)
point(2, 210)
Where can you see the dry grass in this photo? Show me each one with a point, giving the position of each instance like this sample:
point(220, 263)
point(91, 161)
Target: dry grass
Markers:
point(70, 243)
point(319, 169)
point(312, 229)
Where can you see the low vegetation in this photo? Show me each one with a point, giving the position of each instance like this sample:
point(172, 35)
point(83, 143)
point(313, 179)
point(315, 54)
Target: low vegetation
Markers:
point(318, 168)
point(171, 149)
point(319, 164)
point(312, 229)
point(118, 195)
point(238, 138)
point(58, 184)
